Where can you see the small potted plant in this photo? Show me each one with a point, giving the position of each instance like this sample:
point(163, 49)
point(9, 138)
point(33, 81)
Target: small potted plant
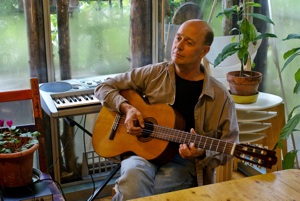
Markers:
point(293, 119)
point(16, 155)
point(243, 83)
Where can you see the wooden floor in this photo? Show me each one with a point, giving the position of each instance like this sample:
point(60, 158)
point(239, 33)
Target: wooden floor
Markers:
point(235, 175)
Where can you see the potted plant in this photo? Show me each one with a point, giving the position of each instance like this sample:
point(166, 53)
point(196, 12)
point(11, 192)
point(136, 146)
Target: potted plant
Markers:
point(293, 119)
point(244, 83)
point(16, 155)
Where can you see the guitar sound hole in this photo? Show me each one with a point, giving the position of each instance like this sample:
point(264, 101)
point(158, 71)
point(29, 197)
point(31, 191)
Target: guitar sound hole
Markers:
point(148, 130)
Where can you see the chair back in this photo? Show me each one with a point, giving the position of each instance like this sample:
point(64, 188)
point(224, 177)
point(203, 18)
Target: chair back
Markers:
point(13, 105)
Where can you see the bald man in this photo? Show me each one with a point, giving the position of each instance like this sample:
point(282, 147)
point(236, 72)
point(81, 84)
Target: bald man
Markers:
point(201, 100)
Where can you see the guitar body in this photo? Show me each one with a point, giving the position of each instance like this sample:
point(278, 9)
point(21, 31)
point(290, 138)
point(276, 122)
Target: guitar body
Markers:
point(147, 147)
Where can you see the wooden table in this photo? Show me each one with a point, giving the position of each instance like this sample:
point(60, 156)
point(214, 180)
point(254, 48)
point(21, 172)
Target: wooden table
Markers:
point(281, 185)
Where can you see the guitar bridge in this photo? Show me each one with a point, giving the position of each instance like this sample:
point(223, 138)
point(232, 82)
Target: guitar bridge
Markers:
point(114, 127)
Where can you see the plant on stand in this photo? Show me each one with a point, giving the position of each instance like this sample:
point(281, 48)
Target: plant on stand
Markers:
point(293, 119)
point(16, 155)
point(244, 82)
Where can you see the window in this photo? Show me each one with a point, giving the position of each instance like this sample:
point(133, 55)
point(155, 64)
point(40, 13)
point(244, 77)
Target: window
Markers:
point(98, 38)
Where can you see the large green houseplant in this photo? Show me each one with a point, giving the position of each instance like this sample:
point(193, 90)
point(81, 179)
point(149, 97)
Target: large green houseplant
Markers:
point(293, 118)
point(16, 155)
point(241, 82)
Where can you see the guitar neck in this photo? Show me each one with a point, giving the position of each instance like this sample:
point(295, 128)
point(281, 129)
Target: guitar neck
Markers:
point(200, 141)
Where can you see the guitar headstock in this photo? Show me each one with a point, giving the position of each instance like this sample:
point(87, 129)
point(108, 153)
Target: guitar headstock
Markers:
point(255, 155)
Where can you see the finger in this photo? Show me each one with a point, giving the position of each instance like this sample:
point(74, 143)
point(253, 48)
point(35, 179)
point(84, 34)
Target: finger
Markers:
point(192, 131)
point(136, 131)
point(192, 145)
point(141, 121)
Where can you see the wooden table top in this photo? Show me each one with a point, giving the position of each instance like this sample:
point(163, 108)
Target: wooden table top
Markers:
point(281, 185)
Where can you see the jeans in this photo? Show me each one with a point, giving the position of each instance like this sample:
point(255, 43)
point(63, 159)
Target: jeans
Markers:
point(140, 178)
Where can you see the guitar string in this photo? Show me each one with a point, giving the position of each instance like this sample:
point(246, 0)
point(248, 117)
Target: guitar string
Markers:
point(209, 143)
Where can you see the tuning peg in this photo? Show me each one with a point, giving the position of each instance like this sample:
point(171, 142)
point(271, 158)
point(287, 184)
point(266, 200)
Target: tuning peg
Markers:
point(251, 158)
point(259, 161)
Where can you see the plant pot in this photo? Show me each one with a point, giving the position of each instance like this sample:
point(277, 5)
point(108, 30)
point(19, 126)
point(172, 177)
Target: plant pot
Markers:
point(246, 86)
point(16, 168)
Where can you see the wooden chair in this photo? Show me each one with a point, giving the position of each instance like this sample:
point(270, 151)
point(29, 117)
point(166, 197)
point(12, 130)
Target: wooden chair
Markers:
point(32, 94)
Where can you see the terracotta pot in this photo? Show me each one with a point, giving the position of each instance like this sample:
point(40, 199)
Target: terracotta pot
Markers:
point(16, 168)
point(246, 85)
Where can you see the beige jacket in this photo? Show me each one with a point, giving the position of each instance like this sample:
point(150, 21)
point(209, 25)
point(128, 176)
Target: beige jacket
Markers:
point(215, 114)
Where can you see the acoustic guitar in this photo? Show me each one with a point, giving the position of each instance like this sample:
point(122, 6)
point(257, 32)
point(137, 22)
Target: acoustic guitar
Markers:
point(160, 136)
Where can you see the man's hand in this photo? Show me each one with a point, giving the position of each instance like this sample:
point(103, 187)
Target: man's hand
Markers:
point(190, 151)
point(134, 121)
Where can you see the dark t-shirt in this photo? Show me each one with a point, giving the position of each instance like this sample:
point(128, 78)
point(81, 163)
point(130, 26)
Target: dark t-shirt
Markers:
point(187, 95)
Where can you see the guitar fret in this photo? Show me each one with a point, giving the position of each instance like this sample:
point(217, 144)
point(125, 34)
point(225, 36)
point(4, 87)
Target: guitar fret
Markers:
point(224, 147)
point(199, 141)
point(217, 146)
point(205, 143)
point(211, 145)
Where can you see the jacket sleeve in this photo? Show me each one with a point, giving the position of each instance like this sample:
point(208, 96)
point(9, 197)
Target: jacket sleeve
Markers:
point(108, 91)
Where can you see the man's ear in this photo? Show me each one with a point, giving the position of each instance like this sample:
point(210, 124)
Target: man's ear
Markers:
point(205, 51)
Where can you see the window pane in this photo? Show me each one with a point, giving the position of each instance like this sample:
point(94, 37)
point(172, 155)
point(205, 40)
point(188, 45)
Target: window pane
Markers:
point(285, 17)
point(99, 38)
point(14, 60)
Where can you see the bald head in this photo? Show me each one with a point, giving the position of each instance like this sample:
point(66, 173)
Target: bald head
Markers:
point(200, 27)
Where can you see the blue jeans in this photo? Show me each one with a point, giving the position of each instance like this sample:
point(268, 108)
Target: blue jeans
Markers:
point(140, 178)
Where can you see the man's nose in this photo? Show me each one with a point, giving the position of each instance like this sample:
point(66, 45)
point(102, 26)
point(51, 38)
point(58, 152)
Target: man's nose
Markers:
point(180, 44)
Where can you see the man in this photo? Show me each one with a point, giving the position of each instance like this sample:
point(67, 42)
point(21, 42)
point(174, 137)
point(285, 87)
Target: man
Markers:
point(185, 85)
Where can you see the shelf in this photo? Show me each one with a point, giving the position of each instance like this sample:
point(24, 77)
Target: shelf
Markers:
point(253, 127)
point(250, 116)
point(251, 137)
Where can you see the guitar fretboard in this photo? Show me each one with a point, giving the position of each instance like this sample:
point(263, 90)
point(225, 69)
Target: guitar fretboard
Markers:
point(200, 141)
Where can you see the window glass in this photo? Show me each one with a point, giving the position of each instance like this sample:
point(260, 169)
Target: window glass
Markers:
point(14, 59)
point(98, 38)
point(285, 16)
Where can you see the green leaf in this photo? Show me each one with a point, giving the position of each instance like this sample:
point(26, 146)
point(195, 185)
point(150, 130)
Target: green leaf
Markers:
point(291, 113)
point(289, 160)
point(243, 54)
point(228, 12)
point(33, 142)
point(253, 4)
point(248, 30)
point(297, 87)
point(289, 60)
point(227, 51)
point(292, 36)
point(297, 75)
point(290, 52)
point(261, 17)
point(265, 35)
point(288, 129)
point(7, 151)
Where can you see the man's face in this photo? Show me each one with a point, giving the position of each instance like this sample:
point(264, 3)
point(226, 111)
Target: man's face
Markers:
point(188, 48)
